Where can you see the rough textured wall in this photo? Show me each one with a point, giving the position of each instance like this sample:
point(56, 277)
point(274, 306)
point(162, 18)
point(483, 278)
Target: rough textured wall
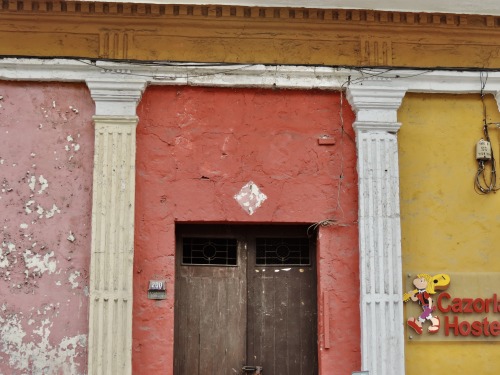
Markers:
point(197, 147)
point(446, 226)
point(46, 150)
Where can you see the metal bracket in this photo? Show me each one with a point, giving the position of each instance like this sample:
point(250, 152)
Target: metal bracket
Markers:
point(254, 369)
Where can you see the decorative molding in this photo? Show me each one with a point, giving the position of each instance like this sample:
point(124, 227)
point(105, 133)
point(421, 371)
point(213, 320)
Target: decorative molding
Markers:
point(374, 126)
point(376, 51)
point(245, 75)
point(113, 44)
point(427, 6)
point(116, 97)
point(380, 259)
point(290, 11)
point(376, 106)
point(231, 34)
point(113, 207)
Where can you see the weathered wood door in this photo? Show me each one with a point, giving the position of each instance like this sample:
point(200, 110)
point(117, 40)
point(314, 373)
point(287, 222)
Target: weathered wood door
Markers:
point(245, 296)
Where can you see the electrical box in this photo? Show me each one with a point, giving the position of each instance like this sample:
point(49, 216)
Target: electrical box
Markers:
point(483, 150)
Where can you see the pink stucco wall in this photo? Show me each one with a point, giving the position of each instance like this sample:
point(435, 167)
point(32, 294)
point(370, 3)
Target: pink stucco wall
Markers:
point(196, 148)
point(46, 150)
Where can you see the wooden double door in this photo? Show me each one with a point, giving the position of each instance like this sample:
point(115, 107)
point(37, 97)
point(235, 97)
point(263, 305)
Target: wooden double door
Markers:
point(245, 301)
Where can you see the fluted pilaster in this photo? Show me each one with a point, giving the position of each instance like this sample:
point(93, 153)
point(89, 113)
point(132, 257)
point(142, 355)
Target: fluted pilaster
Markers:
point(382, 332)
point(112, 253)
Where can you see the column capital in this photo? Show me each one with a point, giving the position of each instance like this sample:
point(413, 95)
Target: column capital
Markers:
point(116, 97)
point(115, 120)
point(376, 106)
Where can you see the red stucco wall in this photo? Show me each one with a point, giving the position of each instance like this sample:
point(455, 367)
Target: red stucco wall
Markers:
point(196, 148)
point(46, 151)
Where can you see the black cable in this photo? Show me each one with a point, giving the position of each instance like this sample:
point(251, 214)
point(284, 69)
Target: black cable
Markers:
point(181, 63)
point(112, 70)
point(485, 187)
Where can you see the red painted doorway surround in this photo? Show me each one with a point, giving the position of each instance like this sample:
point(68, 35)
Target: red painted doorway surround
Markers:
point(196, 148)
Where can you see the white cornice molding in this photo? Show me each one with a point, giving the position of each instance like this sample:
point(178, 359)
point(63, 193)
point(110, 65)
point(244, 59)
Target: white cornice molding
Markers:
point(102, 73)
point(223, 75)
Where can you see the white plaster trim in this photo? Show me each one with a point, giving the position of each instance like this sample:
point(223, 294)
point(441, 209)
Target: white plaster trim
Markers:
point(380, 268)
point(376, 105)
point(255, 75)
point(374, 126)
point(497, 97)
point(113, 207)
point(441, 6)
point(118, 97)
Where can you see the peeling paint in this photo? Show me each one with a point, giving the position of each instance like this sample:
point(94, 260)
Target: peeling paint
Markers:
point(27, 208)
point(40, 263)
point(35, 352)
point(4, 261)
point(41, 198)
point(43, 184)
point(71, 237)
point(52, 211)
point(32, 183)
point(72, 279)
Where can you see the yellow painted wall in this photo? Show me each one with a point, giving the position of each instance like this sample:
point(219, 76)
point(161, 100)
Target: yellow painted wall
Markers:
point(446, 225)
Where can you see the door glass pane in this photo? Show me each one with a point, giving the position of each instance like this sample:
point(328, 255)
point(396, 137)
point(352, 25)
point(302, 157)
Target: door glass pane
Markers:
point(209, 251)
point(282, 251)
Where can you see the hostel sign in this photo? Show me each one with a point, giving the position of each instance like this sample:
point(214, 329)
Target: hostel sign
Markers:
point(443, 307)
point(467, 307)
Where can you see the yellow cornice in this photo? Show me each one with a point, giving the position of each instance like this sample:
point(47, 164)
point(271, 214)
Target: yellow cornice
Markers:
point(244, 34)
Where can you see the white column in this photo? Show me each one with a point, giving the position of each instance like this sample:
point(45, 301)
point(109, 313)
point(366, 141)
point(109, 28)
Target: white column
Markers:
point(112, 253)
point(497, 98)
point(382, 329)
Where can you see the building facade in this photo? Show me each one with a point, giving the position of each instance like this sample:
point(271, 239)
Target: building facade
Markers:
point(141, 141)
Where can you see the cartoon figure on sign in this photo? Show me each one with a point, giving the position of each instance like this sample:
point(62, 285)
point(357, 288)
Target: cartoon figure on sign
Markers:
point(425, 286)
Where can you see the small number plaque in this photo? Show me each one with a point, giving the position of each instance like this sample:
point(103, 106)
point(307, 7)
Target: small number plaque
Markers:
point(157, 289)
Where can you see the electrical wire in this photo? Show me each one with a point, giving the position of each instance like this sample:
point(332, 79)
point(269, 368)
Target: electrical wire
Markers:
point(481, 184)
point(218, 64)
point(112, 70)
